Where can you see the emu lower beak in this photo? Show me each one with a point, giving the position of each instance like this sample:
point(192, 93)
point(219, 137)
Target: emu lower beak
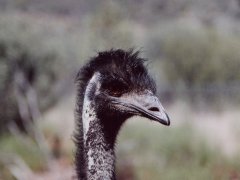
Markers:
point(146, 105)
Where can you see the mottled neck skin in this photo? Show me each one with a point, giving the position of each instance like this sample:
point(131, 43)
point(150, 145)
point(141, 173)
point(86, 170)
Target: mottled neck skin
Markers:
point(98, 151)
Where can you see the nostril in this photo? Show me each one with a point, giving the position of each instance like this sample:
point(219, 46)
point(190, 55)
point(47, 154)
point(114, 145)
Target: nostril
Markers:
point(153, 109)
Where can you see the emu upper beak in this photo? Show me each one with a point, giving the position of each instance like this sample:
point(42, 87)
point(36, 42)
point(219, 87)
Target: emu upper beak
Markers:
point(146, 105)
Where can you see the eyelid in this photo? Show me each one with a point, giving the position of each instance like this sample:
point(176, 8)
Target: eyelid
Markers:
point(118, 80)
point(113, 81)
point(116, 87)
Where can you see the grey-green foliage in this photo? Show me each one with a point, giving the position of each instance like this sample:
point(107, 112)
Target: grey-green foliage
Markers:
point(14, 147)
point(39, 50)
point(201, 56)
point(108, 28)
point(198, 59)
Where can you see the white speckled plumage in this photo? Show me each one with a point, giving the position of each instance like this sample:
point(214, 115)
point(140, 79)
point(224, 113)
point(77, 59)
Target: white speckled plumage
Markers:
point(99, 160)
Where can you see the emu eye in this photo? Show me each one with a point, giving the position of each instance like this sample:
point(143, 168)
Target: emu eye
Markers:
point(115, 93)
point(115, 88)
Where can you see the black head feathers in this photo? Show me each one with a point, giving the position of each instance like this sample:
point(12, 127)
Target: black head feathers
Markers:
point(119, 65)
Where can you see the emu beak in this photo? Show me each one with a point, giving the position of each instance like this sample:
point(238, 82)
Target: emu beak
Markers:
point(145, 105)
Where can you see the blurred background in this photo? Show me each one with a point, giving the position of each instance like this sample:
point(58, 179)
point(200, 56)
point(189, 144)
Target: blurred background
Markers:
point(193, 47)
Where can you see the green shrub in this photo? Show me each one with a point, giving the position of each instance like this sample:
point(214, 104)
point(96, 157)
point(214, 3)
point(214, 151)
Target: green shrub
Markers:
point(107, 28)
point(199, 58)
point(25, 149)
point(41, 53)
point(198, 61)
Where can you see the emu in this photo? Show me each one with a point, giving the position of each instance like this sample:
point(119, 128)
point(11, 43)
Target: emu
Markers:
point(112, 87)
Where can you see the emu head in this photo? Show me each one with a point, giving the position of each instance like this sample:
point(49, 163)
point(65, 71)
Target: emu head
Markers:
point(119, 86)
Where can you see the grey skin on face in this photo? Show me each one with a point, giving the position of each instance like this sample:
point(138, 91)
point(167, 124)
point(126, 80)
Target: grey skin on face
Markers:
point(145, 105)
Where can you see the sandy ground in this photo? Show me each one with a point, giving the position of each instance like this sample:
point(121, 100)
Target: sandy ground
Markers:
point(58, 171)
point(221, 128)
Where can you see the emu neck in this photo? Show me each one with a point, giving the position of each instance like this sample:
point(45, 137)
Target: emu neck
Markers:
point(98, 152)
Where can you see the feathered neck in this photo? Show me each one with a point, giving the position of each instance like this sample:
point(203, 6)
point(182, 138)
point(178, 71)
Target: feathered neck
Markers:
point(95, 157)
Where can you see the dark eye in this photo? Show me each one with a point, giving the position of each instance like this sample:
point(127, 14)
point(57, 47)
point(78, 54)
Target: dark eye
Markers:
point(115, 88)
